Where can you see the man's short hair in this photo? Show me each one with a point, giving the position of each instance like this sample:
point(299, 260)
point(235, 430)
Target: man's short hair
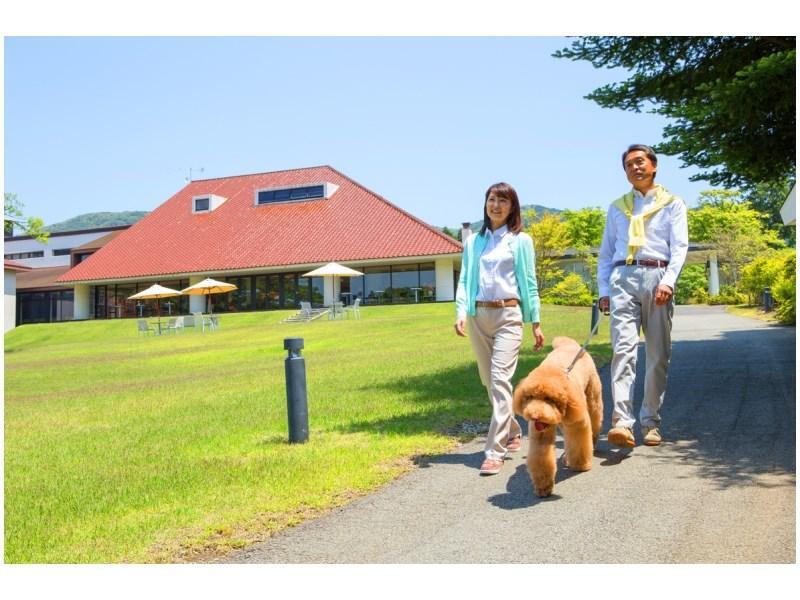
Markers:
point(649, 152)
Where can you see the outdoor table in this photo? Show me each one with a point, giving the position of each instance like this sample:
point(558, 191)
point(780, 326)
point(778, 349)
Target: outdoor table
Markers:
point(158, 325)
point(416, 294)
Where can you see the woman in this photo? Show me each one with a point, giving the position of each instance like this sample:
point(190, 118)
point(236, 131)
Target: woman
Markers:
point(496, 294)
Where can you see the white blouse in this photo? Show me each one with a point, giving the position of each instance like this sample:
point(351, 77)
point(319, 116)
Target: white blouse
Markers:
point(497, 278)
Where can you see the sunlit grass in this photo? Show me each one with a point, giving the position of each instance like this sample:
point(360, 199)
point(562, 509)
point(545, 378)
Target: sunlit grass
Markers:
point(121, 448)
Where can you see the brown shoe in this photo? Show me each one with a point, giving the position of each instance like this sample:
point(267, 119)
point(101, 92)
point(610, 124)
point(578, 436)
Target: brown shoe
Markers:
point(652, 436)
point(514, 444)
point(622, 437)
point(491, 466)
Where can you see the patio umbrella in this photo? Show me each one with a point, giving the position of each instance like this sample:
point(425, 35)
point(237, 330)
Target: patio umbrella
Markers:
point(155, 291)
point(208, 287)
point(333, 269)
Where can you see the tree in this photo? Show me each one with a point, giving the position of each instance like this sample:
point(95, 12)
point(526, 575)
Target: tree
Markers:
point(732, 99)
point(550, 241)
point(585, 228)
point(734, 229)
point(13, 216)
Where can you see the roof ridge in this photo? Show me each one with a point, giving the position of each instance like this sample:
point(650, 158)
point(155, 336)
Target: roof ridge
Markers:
point(397, 208)
point(264, 173)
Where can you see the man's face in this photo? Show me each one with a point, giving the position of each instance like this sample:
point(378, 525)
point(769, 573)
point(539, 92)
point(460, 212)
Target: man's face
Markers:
point(639, 169)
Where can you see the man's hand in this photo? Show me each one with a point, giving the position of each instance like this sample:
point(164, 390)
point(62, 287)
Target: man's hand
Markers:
point(460, 328)
point(604, 305)
point(663, 294)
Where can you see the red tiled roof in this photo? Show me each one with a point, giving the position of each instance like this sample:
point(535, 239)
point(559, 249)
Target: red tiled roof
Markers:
point(353, 224)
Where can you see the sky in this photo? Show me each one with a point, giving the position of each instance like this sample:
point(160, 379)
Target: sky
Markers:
point(95, 124)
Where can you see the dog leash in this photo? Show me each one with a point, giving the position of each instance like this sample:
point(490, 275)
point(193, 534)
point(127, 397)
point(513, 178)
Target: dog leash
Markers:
point(586, 343)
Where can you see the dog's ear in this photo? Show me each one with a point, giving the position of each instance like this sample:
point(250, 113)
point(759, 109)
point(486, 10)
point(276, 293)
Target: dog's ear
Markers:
point(520, 398)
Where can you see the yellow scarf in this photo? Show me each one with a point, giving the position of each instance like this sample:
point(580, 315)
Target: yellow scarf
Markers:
point(636, 237)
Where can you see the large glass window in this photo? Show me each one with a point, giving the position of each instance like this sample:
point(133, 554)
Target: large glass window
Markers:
point(290, 291)
point(299, 193)
point(405, 284)
point(427, 281)
point(377, 285)
point(318, 291)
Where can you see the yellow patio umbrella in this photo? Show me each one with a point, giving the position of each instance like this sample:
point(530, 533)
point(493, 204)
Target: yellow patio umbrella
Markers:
point(156, 292)
point(334, 270)
point(208, 287)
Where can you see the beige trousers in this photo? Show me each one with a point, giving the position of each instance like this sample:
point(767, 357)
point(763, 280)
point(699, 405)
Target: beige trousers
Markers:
point(496, 337)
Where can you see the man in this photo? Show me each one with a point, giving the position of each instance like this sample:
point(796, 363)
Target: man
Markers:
point(643, 250)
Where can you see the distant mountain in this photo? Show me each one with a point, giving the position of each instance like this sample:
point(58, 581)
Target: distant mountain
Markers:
point(540, 210)
point(98, 220)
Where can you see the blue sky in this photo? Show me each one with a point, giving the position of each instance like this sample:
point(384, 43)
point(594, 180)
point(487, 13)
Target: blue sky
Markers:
point(115, 123)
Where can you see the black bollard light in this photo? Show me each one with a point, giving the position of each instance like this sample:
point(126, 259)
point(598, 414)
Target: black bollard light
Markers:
point(296, 391)
point(769, 302)
point(595, 313)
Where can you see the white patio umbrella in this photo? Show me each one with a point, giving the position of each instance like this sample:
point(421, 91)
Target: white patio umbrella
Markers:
point(155, 291)
point(334, 270)
point(208, 287)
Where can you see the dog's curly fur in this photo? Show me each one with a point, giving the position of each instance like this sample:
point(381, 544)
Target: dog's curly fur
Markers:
point(548, 398)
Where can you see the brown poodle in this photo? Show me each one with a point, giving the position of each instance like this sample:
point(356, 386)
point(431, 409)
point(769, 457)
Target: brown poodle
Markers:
point(550, 397)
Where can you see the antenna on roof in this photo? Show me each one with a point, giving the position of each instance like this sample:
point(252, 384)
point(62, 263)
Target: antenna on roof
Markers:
point(189, 177)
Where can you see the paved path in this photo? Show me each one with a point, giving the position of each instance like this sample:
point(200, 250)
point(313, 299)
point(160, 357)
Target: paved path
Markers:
point(721, 489)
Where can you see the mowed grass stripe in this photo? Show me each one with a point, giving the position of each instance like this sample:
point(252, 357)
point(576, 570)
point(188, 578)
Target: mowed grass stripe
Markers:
point(121, 448)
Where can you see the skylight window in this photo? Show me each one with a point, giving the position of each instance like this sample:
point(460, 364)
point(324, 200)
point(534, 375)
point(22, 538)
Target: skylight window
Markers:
point(206, 203)
point(298, 193)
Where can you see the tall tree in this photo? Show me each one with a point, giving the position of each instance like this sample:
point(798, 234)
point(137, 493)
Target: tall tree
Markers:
point(13, 216)
point(585, 228)
point(735, 230)
point(550, 241)
point(732, 99)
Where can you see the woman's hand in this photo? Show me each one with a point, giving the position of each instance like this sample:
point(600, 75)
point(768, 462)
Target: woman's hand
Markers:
point(538, 336)
point(460, 327)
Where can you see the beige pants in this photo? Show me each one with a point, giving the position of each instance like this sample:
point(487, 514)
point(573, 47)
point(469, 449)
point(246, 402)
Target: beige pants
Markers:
point(496, 337)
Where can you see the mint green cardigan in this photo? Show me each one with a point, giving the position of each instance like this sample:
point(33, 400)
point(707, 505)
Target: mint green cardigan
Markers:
point(524, 270)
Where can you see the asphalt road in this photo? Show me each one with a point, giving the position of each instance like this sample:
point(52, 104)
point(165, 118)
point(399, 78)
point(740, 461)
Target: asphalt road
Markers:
point(720, 489)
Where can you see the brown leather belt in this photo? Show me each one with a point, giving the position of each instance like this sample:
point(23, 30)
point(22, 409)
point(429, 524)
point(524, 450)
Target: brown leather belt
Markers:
point(497, 303)
point(644, 262)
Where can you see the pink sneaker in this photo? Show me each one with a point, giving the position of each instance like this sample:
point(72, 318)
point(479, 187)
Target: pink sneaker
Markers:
point(491, 466)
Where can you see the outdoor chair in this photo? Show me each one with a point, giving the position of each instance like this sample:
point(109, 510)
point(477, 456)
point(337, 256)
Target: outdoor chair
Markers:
point(188, 321)
point(143, 327)
point(175, 324)
point(337, 310)
point(353, 309)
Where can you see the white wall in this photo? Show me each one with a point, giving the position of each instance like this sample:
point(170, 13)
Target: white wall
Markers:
point(82, 306)
point(445, 290)
point(10, 304)
point(56, 242)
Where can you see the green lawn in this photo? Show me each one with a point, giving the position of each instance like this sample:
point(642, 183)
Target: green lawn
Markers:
point(121, 448)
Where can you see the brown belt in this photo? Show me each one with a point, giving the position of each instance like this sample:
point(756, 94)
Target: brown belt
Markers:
point(644, 262)
point(497, 303)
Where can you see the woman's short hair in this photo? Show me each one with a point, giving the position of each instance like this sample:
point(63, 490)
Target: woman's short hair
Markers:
point(503, 190)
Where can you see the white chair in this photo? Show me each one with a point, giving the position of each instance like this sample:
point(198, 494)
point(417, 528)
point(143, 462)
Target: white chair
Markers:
point(353, 308)
point(175, 324)
point(189, 321)
point(143, 327)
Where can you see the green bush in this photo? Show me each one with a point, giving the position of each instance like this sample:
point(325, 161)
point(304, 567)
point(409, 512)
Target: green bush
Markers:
point(762, 272)
point(728, 295)
point(691, 282)
point(785, 290)
point(570, 291)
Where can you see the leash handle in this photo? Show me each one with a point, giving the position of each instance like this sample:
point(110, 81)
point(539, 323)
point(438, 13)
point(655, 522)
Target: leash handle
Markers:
point(596, 315)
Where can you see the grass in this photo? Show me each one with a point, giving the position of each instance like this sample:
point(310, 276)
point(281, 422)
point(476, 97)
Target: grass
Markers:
point(753, 312)
point(175, 448)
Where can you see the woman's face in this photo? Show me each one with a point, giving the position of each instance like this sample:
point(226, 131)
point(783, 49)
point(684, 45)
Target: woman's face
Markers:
point(498, 209)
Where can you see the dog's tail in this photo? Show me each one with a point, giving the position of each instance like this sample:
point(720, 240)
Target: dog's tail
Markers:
point(562, 340)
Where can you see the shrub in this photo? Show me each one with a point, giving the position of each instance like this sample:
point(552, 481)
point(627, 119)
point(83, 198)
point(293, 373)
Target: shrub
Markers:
point(728, 295)
point(762, 272)
point(785, 291)
point(570, 291)
point(691, 281)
